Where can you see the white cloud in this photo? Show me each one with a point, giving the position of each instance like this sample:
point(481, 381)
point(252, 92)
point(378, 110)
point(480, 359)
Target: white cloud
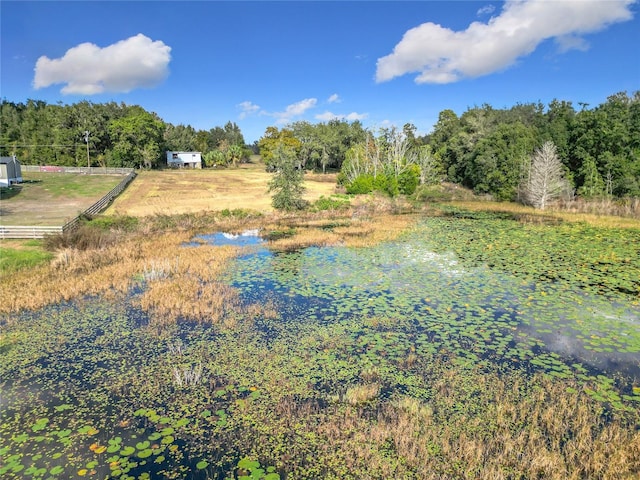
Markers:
point(486, 10)
point(295, 109)
point(247, 108)
point(571, 42)
point(335, 98)
point(353, 116)
point(87, 69)
point(441, 55)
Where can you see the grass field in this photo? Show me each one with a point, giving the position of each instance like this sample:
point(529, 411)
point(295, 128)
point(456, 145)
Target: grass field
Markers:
point(56, 198)
point(52, 198)
point(188, 191)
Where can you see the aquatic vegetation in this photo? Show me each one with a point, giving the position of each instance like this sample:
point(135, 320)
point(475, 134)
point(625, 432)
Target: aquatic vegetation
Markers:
point(441, 352)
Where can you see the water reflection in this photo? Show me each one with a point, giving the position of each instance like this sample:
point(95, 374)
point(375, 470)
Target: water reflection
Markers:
point(243, 239)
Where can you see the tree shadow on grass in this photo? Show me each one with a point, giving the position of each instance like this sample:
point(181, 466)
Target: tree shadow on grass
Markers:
point(9, 192)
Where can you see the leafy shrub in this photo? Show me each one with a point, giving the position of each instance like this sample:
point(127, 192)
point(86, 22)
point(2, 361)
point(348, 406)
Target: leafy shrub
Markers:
point(235, 213)
point(387, 184)
point(409, 179)
point(362, 184)
point(330, 203)
point(432, 193)
point(367, 183)
point(118, 222)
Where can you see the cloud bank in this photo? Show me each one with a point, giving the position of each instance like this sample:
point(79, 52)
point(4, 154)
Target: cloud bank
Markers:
point(351, 117)
point(86, 69)
point(441, 55)
point(297, 109)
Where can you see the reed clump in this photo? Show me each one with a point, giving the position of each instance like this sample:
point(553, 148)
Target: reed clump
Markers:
point(187, 376)
point(359, 394)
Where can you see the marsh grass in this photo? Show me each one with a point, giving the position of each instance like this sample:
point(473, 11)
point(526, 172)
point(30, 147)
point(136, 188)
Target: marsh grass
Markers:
point(359, 394)
point(621, 207)
point(187, 376)
point(329, 230)
point(160, 269)
point(476, 425)
point(575, 212)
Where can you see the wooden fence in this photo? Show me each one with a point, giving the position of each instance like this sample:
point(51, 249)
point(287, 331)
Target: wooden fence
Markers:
point(16, 231)
point(83, 170)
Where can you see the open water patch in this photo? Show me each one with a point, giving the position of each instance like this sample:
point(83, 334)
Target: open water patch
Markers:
point(246, 238)
point(472, 308)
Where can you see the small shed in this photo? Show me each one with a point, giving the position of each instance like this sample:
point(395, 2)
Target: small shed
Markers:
point(10, 171)
point(184, 159)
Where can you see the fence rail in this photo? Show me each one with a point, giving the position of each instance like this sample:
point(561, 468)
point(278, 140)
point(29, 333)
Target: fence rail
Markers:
point(16, 231)
point(22, 231)
point(84, 170)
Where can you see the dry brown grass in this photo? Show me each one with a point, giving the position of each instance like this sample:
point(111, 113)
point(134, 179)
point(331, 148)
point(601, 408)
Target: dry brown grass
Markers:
point(188, 191)
point(360, 394)
point(559, 213)
point(181, 282)
point(510, 427)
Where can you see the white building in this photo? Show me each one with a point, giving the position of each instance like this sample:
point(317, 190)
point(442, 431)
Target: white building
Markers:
point(184, 159)
point(10, 171)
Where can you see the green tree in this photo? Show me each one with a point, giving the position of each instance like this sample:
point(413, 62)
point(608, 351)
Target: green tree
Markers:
point(214, 158)
point(592, 183)
point(431, 171)
point(287, 182)
point(180, 138)
point(134, 134)
point(494, 163)
point(273, 140)
point(235, 154)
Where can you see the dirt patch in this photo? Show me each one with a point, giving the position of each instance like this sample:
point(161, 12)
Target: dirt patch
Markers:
point(46, 199)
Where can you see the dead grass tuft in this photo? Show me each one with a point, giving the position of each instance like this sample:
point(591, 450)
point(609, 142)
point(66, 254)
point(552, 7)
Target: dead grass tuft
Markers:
point(360, 394)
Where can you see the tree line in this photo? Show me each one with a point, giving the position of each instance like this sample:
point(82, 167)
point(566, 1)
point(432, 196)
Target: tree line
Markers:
point(119, 135)
point(486, 149)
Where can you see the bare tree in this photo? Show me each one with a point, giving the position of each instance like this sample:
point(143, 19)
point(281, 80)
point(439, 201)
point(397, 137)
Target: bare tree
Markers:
point(430, 166)
point(355, 162)
point(543, 178)
point(374, 151)
point(397, 149)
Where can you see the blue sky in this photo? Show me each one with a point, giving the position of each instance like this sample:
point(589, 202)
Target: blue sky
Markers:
point(266, 63)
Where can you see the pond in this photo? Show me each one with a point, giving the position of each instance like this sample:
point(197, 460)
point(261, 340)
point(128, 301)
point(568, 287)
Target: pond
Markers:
point(88, 390)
